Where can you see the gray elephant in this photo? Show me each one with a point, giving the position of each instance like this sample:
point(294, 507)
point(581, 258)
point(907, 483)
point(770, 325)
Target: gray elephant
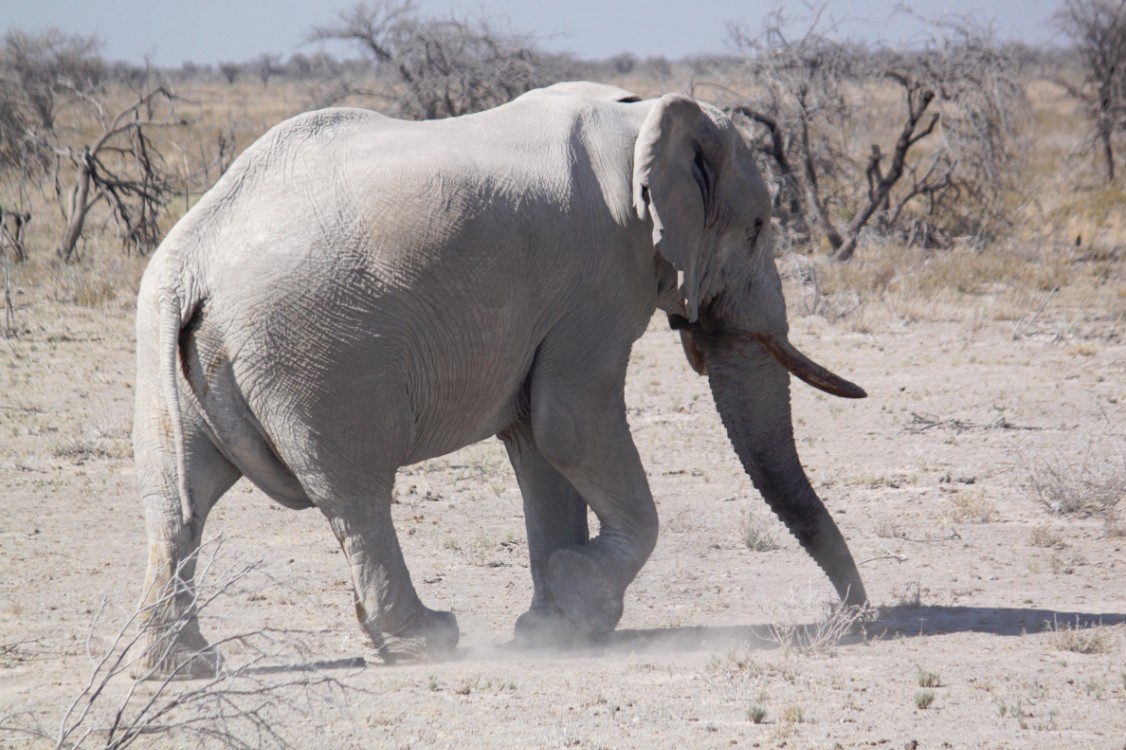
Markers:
point(359, 293)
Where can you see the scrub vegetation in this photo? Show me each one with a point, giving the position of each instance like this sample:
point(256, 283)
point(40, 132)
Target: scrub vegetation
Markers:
point(951, 232)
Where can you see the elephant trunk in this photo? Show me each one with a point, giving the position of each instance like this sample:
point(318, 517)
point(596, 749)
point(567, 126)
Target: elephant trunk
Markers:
point(752, 394)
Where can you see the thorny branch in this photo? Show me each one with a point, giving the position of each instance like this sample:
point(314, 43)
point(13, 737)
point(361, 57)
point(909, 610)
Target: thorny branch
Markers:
point(238, 708)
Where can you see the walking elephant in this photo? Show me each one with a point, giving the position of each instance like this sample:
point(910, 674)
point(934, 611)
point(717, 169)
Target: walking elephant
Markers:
point(358, 293)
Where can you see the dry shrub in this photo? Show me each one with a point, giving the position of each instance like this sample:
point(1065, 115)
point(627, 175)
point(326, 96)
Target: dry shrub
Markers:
point(972, 507)
point(928, 679)
point(1093, 485)
point(1046, 537)
point(1080, 638)
point(759, 531)
point(793, 714)
point(122, 705)
point(924, 699)
point(832, 623)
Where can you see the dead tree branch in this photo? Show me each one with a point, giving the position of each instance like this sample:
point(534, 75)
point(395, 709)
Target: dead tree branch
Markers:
point(436, 67)
point(1097, 29)
point(944, 160)
point(123, 168)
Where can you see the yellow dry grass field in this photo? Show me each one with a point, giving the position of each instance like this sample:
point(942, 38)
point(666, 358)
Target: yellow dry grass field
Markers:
point(980, 486)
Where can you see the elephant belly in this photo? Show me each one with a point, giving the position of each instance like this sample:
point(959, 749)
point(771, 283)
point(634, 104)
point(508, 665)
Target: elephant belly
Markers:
point(469, 412)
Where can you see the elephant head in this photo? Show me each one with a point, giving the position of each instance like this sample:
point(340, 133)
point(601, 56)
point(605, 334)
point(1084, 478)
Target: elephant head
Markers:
point(696, 180)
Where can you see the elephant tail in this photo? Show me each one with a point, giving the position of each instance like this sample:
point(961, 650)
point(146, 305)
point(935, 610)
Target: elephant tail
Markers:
point(171, 321)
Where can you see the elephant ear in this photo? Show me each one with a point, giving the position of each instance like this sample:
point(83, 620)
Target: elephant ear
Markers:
point(675, 172)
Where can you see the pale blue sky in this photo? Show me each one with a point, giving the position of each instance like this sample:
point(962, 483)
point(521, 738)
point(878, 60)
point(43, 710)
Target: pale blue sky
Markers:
point(207, 31)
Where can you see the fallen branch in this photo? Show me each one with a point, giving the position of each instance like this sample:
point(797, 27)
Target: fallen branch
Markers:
point(924, 422)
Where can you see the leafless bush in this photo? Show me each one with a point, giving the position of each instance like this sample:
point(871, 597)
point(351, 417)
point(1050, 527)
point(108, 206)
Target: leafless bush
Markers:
point(436, 67)
point(230, 70)
point(266, 66)
point(1094, 485)
point(41, 76)
point(47, 66)
point(940, 171)
point(12, 226)
point(244, 707)
point(833, 622)
point(121, 167)
point(1097, 29)
point(321, 65)
point(38, 74)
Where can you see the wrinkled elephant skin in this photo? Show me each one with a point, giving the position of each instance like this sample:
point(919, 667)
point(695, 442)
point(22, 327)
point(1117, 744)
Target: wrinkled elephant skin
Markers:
point(359, 293)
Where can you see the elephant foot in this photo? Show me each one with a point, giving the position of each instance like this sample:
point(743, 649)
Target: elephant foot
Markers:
point(432, 637)
point(545, 627)
point(176, 650)
point(584, 594)
point(179, 661)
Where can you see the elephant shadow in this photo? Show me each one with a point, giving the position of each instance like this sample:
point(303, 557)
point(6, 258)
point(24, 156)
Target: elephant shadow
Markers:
point(890, 622)
point(904, 621)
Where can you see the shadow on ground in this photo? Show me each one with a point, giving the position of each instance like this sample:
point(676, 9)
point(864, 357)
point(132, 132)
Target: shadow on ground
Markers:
point(891, 622)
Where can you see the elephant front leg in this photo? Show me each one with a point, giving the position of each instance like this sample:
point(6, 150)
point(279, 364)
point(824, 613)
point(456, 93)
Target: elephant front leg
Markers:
point(555, 516)
point(387, 606)
point(582, 432)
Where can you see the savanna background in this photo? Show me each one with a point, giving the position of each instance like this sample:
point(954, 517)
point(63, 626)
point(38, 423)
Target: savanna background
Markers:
point(949, 223)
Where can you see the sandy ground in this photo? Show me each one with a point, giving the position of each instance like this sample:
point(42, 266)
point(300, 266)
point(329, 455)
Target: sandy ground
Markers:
point(976, 581)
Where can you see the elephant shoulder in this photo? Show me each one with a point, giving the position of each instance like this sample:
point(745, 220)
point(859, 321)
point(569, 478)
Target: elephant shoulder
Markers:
point(323, 125)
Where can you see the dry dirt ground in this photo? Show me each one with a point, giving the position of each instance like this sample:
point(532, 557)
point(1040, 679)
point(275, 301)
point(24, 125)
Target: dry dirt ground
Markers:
point(999, 624)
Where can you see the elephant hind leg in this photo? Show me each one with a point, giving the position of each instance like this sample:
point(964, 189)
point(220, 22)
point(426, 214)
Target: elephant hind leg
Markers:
point(387, 606)
point(174, 646)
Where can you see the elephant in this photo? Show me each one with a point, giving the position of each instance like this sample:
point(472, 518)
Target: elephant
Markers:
point(359, 293)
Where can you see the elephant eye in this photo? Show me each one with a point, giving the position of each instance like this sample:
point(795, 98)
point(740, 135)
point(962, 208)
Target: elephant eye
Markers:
point(752, 240)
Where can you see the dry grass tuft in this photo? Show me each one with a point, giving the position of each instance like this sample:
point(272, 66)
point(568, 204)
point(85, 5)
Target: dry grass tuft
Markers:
point(80, 450)
point(1094, 485)
point(759, 531)
point(1046, 537)
point(832, 625)
point(928, 679)
point(1080, 638)
point(793, 714)
point(924, 699)
point(972, 507)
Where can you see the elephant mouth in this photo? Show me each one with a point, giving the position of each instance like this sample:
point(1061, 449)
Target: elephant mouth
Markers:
point(786, 354)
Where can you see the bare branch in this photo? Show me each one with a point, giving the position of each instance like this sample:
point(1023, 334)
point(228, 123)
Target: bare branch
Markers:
point(957, 106)
point(437, 67)
point(240, 707)
point(1097, 28)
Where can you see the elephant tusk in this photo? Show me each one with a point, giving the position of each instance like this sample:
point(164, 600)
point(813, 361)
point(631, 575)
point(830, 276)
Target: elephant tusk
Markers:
point(805, 368)
point(799, 365)
point(693, 353)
